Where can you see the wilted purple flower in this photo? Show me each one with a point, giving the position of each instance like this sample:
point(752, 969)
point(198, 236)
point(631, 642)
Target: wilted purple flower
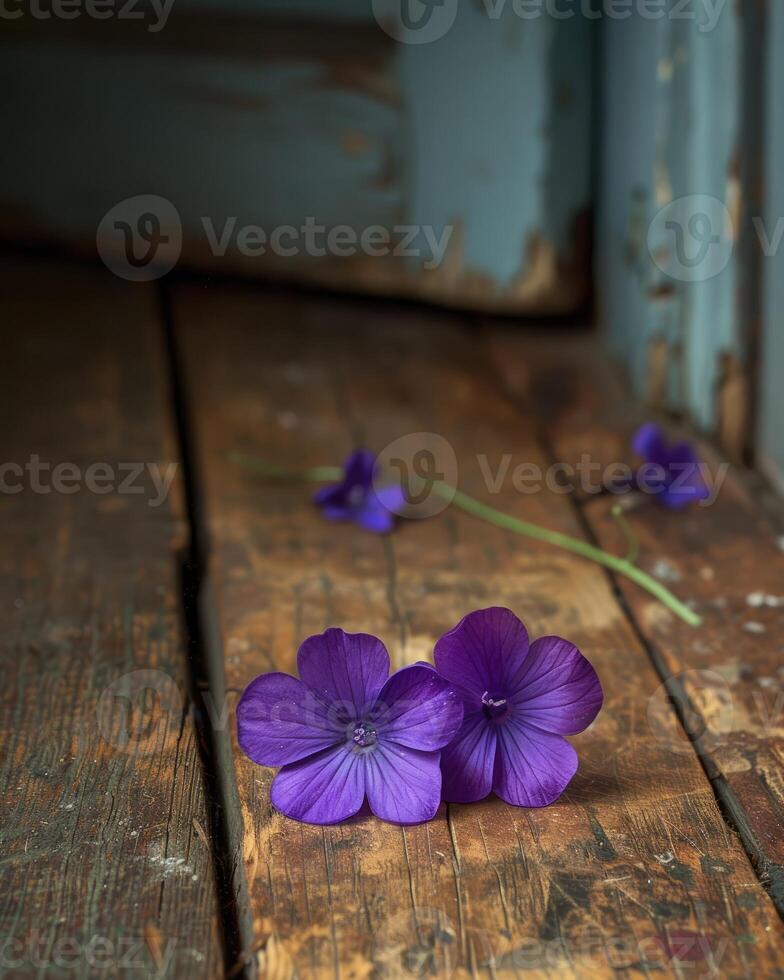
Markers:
point(356, 499)
point(670, 471)
point(345, 731)
point(519, 701)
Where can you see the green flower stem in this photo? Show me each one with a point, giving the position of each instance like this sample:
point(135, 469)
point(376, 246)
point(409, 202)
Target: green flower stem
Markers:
point(623, 566)
point(631, 541)
point(620, 565)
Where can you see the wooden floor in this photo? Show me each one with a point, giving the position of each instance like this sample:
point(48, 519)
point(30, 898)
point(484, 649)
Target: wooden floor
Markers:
point(134, 833)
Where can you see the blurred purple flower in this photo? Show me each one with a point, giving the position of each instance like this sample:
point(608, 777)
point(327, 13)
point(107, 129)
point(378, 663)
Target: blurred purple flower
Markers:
point(356, 499)
point(670, 471)
point(519, 701)
point(345, 731)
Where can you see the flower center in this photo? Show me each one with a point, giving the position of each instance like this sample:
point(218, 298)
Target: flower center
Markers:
point(494, 706)
point(364, 735)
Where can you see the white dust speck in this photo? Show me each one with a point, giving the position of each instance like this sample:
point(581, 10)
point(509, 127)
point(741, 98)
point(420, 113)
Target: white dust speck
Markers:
point(169, 865)
point(760, 599)
point(663, 570)
point(754, 627)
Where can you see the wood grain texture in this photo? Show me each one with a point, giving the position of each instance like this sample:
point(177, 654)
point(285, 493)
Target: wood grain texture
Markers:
point(105, 867)
point(726, 559)
point(634, 869)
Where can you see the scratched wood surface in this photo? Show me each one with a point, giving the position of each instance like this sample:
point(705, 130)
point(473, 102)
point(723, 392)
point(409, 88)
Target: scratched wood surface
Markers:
point(634, 869)
point(726, 558)
point(105, 867)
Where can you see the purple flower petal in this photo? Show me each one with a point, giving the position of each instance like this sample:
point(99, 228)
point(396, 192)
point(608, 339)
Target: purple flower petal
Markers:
point(418, 708)
point(483, 652)
point(403, 785)
point(392, 498)
point(359, 468)
point(672, 472)
point(467, 763)
point(322, 789)
point(350, 492)
point(331, 496)
point(373, 516)
point(345, 670)
point(675, 498)
point(379, 509)
point(337, 511)
point(355, 498)
point(280, 721)
point(532, 767)
point(557, 690)
point(648, 442)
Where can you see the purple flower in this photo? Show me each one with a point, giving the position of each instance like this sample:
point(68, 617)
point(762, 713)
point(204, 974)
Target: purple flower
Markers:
point(670, 471)
point(356, 498)
point(345, 731)
point(519, 702)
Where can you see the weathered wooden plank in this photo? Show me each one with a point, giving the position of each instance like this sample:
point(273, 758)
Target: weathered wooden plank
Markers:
point(106, 867)
point(255, 121)
point(726, 559)
point(633, 860)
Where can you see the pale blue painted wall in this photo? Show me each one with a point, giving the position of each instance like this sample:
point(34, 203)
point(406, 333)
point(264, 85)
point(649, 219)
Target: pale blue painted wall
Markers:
point(491, 146)
point(771, 414)
point(670, 128)
point(486, 128)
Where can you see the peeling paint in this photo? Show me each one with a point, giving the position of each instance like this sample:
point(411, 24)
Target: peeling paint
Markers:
point(733, 405)
point(657, 371)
